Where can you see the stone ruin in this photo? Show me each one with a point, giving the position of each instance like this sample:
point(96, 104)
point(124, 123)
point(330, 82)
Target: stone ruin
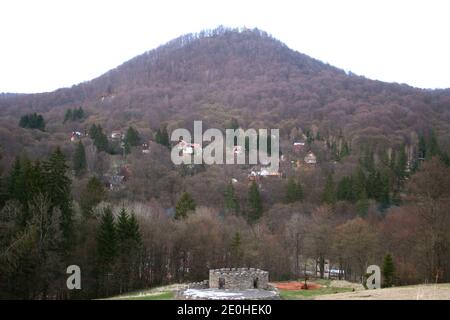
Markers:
point(238, 278)
point(232, 284)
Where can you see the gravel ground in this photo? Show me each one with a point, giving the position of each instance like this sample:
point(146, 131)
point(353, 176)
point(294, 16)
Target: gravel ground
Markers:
point(221, 294)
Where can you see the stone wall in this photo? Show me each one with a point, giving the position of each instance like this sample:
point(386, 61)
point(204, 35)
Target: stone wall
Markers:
point(238, 278)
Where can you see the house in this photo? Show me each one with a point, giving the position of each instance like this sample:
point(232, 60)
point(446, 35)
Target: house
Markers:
point(310, 158)
point(298, 146)
point(237, 149)
point(116, 135)
point(113, 182)
point(188, 148)
point(76, 135)
point(255, 174)
point(265, 172)
point(145, 148)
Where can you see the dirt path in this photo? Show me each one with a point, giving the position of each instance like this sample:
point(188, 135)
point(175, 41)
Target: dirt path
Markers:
point(419, 292)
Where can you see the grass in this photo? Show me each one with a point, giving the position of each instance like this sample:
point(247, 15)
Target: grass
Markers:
point(168, 295)
point(309, 294)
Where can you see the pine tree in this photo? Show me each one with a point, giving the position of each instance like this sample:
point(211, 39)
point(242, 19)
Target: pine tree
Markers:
point(92, 194)
point(184, 205)
point(68, 116)
point(388, 271)
point(122, 226)
point(57, 186)
point(401, 161)
point(422, 148)
point(362, 204)
point(131, 139)
point(32, 121)
point(107, 241)
point(162, 137)
point(165, 141)
point(432, 146)
point(128, 244)
point(234, 124)
point(255, 208)
point(231, 202)
point(79, 159)
point(329, 192)
point(236, 250)
point(99, 138)
point(294, 191)
point(345, 189)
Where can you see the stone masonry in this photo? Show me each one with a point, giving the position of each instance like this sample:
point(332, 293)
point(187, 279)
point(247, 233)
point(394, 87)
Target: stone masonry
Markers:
point(238, 278)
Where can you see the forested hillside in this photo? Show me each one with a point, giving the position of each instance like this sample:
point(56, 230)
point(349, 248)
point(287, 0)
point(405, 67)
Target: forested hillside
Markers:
point(86, 176)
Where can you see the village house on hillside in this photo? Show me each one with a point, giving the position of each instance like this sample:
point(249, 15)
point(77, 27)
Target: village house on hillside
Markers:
point(298, 146)
point(255, 174)
point(76, 135)
point(310, 158)
point(145, 148)
point(116, 135)
point(188, 148)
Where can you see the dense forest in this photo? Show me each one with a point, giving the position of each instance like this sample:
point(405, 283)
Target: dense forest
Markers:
point(86, 176)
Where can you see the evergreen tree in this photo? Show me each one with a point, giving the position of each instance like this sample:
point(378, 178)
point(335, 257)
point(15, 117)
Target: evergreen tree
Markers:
point(388, 271)
point(401, 161)
point(68, 116)
point(92, 194)
point(236, 250)
point(422, 148)
point(368, 161)
point(345, 189)
point(255, 208)
point(132, 137)
point(329, 192)
point(294, 191)
point(106, 242)
point(100, 139)
point(79, 159)
point(432, 148)
point(231, 202)
point(385, 190)
point(184, 205)
point(162, 137)
point(32, 121)
point(129, 244)
point(234, 124)
point(58, 185)
point(359, 184)
point(345, 150)
point(362, 204)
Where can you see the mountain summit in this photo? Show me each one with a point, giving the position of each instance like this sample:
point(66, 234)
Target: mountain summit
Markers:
point(249, 75)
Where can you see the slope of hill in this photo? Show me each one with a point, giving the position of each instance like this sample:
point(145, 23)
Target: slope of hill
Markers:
point(377, 192)
point(247, 74)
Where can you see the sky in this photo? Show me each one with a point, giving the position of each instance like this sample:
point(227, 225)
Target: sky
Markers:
point(49, 44)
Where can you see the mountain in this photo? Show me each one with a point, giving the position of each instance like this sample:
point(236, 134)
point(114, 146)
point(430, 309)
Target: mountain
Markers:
point(223, 73)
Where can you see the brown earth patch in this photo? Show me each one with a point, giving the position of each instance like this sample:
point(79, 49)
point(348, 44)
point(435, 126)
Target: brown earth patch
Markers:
point(296, 285)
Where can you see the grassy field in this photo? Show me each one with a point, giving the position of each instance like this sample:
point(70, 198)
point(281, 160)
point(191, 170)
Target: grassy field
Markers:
point(168, 295)
point(310, 294)
point(325, 289)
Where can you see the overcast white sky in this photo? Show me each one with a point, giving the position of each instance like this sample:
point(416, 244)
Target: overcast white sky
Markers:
point(48, 44)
